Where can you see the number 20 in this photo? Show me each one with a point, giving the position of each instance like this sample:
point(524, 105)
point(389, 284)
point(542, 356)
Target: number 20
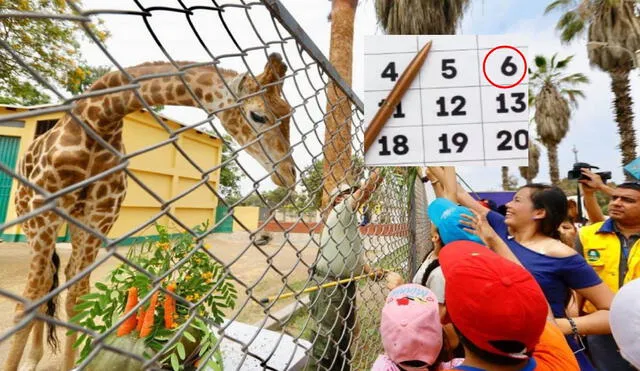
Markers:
point(520, 140)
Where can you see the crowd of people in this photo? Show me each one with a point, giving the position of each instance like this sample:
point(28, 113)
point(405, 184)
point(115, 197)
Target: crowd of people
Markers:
point(533, 287)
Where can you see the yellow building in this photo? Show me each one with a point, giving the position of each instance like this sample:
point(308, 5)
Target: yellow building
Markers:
point(164, 170)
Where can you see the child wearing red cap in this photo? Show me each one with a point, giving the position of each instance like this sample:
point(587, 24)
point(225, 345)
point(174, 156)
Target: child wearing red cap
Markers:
point(411, 332)
point(530, 232)
point(500, 313)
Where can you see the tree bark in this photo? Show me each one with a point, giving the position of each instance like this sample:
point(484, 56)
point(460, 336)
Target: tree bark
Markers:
point(505, 178)
point(552, 153)
point(337, 146)
point(623, 105)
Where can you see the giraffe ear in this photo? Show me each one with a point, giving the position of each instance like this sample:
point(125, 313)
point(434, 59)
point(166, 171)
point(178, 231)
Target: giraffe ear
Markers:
point(274, 70)
point(236, 84)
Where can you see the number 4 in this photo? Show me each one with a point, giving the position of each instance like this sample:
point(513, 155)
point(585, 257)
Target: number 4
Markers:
point(389, 72)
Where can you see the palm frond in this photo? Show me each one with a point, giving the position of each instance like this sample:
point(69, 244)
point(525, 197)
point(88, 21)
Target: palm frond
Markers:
point(565, 19)
point(557, 4)
point(572, 96)
point(541, 63)
point(574, 79)
point(563, 63)
point(571, 24)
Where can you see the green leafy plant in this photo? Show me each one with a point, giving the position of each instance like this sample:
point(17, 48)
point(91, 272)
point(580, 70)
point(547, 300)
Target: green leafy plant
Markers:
point(198, 279)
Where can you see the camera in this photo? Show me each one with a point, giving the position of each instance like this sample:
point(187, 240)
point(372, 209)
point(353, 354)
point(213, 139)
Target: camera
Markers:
point(576, 174)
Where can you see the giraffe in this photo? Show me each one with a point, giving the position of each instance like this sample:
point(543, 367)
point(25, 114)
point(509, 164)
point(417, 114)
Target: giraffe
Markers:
point(66, 155)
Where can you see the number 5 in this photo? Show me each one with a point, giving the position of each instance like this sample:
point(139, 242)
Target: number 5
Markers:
point(447, 67)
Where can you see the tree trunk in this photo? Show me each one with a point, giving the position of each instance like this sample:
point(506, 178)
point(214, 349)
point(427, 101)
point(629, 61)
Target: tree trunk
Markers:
point(552, 152)
point(337, 145)
point(624, 115)
point(505, 178)
point(525, 173)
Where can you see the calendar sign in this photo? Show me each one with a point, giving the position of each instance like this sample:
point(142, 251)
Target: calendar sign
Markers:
point(469, 104)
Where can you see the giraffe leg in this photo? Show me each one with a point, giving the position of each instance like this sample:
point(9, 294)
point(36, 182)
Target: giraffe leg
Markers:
point(100, 213)
point(85, 249)
point(81, 241)
point(37, 346)
point(40, 231)
point(70, 271)
point(37, 335)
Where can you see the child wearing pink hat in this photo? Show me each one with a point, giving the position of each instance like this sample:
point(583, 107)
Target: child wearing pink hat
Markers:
point(411, 332)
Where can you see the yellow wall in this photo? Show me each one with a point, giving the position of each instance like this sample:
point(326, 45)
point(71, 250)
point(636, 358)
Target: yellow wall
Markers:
point(164, 170)
point(26, 134)
point(248, 215)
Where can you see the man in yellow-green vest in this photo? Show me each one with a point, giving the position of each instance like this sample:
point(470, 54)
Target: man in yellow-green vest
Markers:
point(612, 249)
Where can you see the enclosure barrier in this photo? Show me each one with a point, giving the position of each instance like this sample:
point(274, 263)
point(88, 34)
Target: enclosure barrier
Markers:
point(205, 290)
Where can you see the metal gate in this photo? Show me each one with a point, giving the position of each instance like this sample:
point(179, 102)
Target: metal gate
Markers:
point(8, 157)
point(225, 283)
point(224, 221)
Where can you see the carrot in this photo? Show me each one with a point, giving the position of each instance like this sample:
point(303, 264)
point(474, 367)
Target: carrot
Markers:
point(140, 318)
point(147, 324)
point(130, 323)
point(169, 306)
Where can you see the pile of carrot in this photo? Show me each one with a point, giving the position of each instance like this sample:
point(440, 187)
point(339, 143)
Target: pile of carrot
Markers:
point(143, 321)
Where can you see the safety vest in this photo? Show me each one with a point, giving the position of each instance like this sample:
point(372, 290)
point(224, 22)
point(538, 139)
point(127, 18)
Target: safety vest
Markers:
point(602, 250)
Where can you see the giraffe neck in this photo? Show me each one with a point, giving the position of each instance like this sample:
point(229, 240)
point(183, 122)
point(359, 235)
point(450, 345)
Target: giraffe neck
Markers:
point(103, 112)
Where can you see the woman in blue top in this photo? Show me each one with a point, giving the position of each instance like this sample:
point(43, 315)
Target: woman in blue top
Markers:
point(530, 230)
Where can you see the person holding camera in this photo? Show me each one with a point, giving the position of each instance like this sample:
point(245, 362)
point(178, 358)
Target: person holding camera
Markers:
point(612, 248)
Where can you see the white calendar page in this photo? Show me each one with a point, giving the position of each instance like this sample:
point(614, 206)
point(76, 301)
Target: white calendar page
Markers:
point(467, 106)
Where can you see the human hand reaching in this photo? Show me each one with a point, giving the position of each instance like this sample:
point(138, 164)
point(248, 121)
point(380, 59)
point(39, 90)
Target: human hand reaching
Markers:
point(394, 280)
point(477, 224)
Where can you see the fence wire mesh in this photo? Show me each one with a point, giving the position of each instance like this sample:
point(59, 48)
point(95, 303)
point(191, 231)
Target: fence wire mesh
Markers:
point(153, 278)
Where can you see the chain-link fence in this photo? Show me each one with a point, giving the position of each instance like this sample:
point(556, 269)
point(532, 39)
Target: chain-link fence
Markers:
point(163, 269)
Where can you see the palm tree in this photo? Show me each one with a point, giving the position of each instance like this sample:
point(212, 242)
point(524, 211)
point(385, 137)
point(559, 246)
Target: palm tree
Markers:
point(420, 17)
point(337, 147)
point(505, 177)
point(613, 30)
point(531, 171)
point(553, 93)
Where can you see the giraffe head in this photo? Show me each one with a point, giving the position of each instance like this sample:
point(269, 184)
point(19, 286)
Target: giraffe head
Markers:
point(264, 116)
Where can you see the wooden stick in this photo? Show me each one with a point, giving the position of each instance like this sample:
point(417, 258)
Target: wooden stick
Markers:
point(314, 288)
point(395, 96)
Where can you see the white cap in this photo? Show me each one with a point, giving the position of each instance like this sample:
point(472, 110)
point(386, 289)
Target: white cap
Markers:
point(624, 316)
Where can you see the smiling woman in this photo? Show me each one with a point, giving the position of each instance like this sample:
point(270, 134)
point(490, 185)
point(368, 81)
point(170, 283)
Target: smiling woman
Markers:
point(530, 232)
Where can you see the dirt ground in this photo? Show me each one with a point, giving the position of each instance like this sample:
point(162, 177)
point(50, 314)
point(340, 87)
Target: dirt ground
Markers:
point(260, 270)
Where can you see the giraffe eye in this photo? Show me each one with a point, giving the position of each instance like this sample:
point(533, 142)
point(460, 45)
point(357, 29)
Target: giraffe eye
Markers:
point(258, 118)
